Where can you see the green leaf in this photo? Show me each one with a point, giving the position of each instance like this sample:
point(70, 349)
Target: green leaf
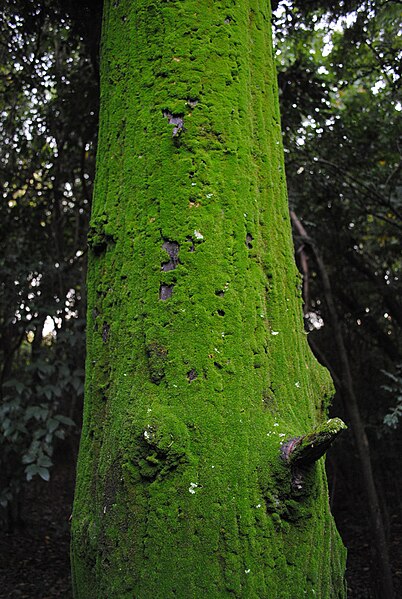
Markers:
point(65, 420)
point(44, 473)
point(45, 461)
point(52, 425)
point(30, 471)
point(28, 458)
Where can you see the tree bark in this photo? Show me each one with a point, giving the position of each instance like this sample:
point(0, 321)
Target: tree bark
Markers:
point(198, 368)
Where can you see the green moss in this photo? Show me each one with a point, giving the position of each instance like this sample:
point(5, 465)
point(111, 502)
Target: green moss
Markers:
point(181, 491)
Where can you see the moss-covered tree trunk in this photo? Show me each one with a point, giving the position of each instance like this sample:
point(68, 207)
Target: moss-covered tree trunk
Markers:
point(201, 390)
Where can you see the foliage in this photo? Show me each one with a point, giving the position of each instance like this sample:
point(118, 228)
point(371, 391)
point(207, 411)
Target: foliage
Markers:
point(394, 387)
point(339, 75)
point(48, 116)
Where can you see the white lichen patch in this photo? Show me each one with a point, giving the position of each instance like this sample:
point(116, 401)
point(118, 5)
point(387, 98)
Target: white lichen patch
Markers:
point(148, 432)
point(192, 488)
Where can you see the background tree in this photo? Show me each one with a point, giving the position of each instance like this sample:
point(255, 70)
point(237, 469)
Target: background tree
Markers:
point(351, 113)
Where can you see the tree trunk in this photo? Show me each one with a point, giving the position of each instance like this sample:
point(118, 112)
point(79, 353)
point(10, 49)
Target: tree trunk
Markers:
point(198, 369)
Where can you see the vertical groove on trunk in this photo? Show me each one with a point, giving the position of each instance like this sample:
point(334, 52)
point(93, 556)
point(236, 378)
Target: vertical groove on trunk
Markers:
point(197, 367)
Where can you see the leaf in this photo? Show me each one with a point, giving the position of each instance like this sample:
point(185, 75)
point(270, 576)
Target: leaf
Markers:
point(65, 420)
point(18, 385)
point(47, 391)
point(30, 471)
point(44, 473)
point(28, 458)
point(77, 384)
point(39, 433)
point(36, 412)
point(52, 425)
point(10, 383)
point(45, 461)
point(6, 424)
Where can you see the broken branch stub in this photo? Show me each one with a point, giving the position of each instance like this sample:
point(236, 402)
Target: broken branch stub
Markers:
point(304, 451)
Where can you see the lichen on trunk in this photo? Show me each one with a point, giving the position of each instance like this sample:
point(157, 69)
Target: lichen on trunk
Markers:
point(198, 368)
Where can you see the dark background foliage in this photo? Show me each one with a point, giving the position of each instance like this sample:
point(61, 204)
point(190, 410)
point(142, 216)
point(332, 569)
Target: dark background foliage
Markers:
point(339, 67)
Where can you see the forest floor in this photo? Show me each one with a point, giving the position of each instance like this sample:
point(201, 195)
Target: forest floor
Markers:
point(34, 559)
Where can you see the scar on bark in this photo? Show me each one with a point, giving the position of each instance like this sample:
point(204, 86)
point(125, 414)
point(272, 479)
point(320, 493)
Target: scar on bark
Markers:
point(172, 248)
point(177, 120)
point(165, 292)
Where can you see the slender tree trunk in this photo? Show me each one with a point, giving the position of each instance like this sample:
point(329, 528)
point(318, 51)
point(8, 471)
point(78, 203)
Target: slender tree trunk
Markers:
point(197, 475)
point(359, 432)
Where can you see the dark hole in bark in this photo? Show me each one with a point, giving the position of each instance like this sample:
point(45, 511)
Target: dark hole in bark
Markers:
point(172, 248)
point(221, 312)
point(192, 246)
point(249, 239)
point(105, 332)
point(165, 291)
point(192, 375)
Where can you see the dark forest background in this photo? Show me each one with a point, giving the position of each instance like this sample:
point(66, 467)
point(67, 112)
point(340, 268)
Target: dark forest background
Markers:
point(339, 73)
